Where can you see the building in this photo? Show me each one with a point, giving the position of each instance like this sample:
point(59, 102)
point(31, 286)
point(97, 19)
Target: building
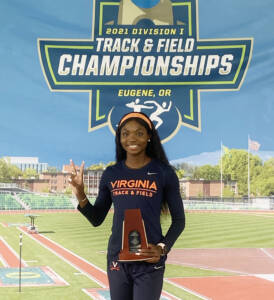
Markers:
point(58, 182)
point(205, 188)
point(24, 163)
point(33, 185)
point(67, 168)
point(92, 180)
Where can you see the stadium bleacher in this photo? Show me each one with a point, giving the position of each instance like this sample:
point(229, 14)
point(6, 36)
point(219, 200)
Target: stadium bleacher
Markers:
point(8, 202)
point(30, 201)
point(26, 201)
point(35, 201)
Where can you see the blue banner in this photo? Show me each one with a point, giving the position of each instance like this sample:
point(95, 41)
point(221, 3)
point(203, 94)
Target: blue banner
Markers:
point(203, 72)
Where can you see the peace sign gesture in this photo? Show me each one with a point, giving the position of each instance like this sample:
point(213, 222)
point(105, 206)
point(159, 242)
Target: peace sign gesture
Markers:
point(76, 181)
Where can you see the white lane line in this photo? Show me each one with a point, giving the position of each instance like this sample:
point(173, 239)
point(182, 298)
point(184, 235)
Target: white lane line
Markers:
point(24, 264)
point(187, 290)
point(267, 253)
point(269, 277)
point(209, 268)
point(92, 277)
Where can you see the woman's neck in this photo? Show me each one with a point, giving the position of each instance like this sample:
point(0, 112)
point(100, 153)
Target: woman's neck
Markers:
point(137, 162)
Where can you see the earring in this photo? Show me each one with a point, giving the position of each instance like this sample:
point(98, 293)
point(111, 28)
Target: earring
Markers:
point(148, 140)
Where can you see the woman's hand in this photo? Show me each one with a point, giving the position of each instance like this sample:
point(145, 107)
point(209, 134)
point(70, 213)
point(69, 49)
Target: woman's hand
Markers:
point(153, 251)
point(76, 181)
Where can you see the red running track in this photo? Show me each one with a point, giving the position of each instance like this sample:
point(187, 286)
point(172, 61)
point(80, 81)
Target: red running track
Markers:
point(79, 263)
point(8, 257)
point(93, 272)
point(227, 287)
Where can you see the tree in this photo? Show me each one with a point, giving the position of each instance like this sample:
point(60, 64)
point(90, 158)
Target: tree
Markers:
point(111, 163)
point(207, 172)
point(228, 193)
point(52, 170)
point(4, 171)
point(101, 166)
point(30, 174)
point(235, 167)
point(263, 183)
point(8, 171)
point(180, 173)
point(187, 168)
point(14, 172)
point(97, 167)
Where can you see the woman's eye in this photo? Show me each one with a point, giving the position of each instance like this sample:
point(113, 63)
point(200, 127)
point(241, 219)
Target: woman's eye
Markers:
point(140, 133)
point(124, 133)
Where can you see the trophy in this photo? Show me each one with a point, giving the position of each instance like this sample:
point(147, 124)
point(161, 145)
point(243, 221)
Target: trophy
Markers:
point(134, 237)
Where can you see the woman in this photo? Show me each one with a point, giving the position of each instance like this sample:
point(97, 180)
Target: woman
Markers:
point(141, 178)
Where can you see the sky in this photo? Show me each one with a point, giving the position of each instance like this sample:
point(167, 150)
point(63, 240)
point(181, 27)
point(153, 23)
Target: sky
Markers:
point(54, 125)
point(214, 158)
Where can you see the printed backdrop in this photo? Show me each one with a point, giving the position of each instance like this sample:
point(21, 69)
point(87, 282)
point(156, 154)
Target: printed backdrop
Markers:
point(202, 70)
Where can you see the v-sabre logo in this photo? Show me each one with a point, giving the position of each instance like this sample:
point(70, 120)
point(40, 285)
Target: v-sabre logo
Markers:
point(145, 56)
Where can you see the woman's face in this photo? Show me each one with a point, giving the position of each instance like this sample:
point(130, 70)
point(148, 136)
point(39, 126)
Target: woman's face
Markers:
point(134, 138)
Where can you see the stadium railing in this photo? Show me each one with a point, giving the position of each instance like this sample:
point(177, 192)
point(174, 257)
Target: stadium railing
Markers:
point(218, 203)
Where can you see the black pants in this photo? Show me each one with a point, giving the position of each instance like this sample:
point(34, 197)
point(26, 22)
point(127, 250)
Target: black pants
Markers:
point(136, 280)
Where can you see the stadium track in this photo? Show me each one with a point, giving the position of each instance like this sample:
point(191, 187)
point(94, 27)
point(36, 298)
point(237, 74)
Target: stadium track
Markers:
point(252, 273)
point(252, 268)
point(93, 272)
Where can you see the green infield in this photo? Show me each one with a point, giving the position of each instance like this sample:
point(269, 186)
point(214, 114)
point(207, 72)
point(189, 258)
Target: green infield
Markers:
point(73, 232)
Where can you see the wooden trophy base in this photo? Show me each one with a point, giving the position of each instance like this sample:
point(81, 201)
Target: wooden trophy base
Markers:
point(132, 257)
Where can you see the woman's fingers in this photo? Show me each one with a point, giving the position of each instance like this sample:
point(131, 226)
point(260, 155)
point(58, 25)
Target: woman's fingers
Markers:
point(146, 252)
point(82, 168)
point(153, 260)
point(73, 169)
point(152, 250)
point(76, 178)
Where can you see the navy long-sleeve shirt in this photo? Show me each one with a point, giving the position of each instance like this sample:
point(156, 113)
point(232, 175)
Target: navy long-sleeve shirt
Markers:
point(143, 188)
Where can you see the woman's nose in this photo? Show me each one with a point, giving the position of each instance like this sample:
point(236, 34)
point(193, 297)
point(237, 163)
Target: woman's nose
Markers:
point(132, 137)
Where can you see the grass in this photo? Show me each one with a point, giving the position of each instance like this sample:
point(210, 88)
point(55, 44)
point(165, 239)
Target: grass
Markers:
point(73, 231)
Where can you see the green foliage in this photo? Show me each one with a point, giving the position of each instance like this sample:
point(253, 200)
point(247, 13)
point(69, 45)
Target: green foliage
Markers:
point(97, 167)
point(187, 168)
point(68, 191)
point(263, 183)
point(180, 173)
point(14, 172)
point(111, 163)
point(207, 172)
point(30, 174)
point(8, 171)
point(52, 170)
point(200, 195)
point(228, 193)
point(235, 167)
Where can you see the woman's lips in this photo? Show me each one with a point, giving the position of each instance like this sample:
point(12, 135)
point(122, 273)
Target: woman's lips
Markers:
point(132, 146)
